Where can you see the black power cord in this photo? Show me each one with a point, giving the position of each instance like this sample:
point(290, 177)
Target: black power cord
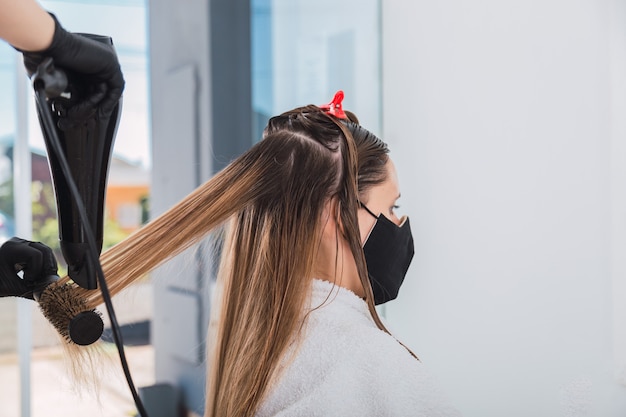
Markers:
point(48, 123)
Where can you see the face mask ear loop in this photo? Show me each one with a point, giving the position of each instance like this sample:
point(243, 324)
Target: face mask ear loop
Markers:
point(368, 210)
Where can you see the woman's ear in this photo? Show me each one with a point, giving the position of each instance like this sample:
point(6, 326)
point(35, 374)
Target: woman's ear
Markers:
point(366, 223)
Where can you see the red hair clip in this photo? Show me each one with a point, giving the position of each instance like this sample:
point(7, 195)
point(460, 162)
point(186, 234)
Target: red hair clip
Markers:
point(335, 107)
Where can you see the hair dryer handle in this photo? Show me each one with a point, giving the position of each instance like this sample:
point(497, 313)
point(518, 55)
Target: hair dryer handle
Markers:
point(51, 79)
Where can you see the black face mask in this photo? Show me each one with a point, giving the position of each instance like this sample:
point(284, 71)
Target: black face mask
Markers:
point(388, 254)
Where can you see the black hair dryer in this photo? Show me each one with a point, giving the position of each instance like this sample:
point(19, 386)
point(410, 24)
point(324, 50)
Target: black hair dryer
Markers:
point(86, 137)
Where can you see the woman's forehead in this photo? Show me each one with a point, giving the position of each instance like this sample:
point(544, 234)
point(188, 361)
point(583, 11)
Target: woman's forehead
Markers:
point(388, 190)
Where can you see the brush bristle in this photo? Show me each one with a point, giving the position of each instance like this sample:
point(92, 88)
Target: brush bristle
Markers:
point(60, 304)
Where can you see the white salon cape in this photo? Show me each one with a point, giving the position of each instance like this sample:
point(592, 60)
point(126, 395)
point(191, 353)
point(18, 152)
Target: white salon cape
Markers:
point(345, 366)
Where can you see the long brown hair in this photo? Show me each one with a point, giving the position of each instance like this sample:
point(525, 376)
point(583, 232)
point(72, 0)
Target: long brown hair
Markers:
point(271, 198)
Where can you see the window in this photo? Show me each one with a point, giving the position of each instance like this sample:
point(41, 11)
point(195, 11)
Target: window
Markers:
point(125, 22)
point(303, 52)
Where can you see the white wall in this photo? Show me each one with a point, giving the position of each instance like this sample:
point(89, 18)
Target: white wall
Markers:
point(502, 122)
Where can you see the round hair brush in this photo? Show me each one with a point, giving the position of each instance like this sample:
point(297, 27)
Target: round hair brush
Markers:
point(67, 311)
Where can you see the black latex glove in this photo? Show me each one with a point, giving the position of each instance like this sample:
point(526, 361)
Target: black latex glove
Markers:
point(72, 51)
point(35, 259)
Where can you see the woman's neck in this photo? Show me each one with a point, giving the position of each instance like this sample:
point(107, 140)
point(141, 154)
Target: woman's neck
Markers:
point(335, 263)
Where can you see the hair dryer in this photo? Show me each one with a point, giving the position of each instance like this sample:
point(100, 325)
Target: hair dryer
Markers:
point(79, 136)
point(86, 136)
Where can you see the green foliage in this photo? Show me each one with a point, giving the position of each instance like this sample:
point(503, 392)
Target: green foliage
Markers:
point(6, 197)
point(46, 227)
point(113, 233)
point(44, 201)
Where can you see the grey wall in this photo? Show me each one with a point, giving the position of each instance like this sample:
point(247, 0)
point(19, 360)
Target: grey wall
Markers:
point(201, 119)
point(180, 106)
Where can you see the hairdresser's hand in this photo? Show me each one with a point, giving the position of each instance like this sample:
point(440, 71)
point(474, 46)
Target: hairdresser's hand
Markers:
point(85, 56)
point(34, 259)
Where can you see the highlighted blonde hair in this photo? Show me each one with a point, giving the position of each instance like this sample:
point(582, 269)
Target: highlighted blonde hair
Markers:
point(272, 198)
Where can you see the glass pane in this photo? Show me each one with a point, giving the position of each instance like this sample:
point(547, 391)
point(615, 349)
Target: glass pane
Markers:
point(303, 52)
point(9, 371)
point(53, 392)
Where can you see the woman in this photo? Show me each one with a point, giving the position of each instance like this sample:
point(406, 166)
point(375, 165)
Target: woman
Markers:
point(297, 331)
point(340, 359)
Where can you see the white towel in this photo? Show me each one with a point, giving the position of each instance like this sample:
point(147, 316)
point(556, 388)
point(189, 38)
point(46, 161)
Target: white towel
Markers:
point(345, 366)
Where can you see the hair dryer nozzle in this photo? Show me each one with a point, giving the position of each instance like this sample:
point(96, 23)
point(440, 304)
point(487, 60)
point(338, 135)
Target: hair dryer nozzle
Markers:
point(86, 134)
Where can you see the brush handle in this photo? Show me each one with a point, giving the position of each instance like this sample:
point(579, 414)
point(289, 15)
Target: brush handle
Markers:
point(41, 286)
